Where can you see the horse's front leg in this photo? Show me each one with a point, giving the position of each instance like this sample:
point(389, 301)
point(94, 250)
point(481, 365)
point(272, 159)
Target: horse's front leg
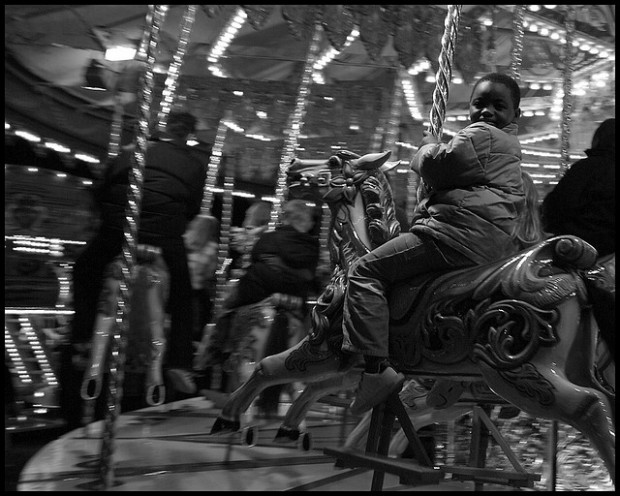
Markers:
point(155, 389)
point(105, 319)
point(605, 366)
point(559, 384)
point(414, 396)
point(290, 428)
point(93, 376)
point(303, 362)
point(586, 409)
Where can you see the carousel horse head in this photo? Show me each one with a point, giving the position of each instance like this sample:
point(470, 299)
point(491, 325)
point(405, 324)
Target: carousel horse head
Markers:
point(358, 193)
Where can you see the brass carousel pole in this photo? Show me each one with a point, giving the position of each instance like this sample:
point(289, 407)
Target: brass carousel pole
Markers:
point(444, 73)
point(441, 92)
point(213, 168)
point(115, 129)
point(386, 133)
point(295, 123)
point(567, 106)
point(437, 117)
point(226, 221)
point(394, 119)
point(569, 24)
point(174, 70)
point(224, 239)
point(88, 408)
point(516, 54)
point(413, 181)
point(150, 40)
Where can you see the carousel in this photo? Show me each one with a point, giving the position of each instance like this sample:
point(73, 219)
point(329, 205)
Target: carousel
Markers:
point(327, 104)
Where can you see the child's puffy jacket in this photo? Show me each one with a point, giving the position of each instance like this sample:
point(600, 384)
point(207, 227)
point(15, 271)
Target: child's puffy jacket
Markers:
point(476, 191)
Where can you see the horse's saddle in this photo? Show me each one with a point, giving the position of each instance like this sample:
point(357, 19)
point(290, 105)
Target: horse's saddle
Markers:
point(437, 316)
point(259, 315)
point(146, 255)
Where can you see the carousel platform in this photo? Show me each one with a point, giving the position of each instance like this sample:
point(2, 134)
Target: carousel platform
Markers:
point(169, 448)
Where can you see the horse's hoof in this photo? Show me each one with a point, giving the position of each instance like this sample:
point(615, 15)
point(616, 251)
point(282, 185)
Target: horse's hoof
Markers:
point(444, 393)
point(286, 435)
point(508, 412)
point(222, 426)
point(250, 436)
point(305, 443)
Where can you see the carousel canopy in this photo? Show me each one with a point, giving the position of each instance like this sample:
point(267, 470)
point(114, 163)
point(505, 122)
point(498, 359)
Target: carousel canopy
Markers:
point(246, 64)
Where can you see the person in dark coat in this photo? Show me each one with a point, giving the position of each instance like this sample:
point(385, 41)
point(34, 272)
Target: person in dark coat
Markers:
point(583, 203)
point(172, 191)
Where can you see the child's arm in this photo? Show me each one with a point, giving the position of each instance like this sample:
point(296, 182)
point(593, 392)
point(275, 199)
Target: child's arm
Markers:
point(427, 139)
point(459, 163)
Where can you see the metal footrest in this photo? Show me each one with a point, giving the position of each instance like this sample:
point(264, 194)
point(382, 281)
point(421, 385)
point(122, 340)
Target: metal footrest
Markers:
point(409, 471)
point(333, 400)
point(492, 476)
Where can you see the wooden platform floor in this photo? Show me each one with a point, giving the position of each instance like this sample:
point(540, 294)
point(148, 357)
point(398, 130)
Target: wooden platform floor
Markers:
point(169, 448)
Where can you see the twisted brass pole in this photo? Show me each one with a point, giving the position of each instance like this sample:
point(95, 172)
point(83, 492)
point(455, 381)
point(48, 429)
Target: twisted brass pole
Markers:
point(444, 73)
point(516, 53)
point(569, 24)
point(567, 85)
point(295, 123)
point(174, 70)
point(154, 20)
point(227, 207)
point(441, 92)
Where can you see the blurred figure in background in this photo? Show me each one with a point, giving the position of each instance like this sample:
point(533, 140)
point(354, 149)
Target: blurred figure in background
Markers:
point(172, 191)
point(283, 260)
point(242, 240)
point(201, 241)
point(583, 203)
point(529, 231)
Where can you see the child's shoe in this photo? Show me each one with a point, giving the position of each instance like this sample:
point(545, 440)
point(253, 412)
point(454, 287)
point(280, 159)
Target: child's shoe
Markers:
point(375, 388)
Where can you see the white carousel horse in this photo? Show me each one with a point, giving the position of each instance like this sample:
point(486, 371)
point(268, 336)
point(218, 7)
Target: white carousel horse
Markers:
point(524, 325)
point(146, 340)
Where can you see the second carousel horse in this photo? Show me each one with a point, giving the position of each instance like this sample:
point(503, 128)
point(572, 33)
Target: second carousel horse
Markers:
point(146, 340)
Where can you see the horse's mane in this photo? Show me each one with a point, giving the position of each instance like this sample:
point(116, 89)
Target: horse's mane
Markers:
point(380, 209)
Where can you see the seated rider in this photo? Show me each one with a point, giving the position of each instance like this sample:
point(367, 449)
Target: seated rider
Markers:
point(242, 239)
point(202, 243)
point(474, 199)
point(283, 260)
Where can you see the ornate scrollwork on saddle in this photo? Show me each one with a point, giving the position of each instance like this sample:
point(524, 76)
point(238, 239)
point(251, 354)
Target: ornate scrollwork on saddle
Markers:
point(251, 325)
point(500, 313)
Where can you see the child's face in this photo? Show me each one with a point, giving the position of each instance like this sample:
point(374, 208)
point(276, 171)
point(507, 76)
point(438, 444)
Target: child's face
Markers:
point(491, 102)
